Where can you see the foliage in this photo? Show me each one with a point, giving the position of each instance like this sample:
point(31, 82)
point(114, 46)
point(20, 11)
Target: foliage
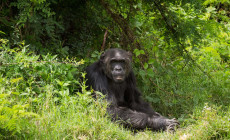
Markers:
point(181, 58)
point(25, 82)
point(36, 103)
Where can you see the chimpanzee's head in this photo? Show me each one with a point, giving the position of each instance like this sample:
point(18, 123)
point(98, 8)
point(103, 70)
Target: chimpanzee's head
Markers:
point(116, 64)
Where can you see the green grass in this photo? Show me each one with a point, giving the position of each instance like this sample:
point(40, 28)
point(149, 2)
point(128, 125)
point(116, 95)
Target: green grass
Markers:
point(82, 117)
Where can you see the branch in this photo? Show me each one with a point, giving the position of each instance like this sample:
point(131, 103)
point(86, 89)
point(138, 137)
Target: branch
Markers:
point(173, 31)
point(103, 44)
point(123, 24)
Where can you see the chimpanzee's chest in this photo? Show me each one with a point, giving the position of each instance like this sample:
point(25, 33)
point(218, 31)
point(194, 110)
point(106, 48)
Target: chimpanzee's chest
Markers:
point(117, 93)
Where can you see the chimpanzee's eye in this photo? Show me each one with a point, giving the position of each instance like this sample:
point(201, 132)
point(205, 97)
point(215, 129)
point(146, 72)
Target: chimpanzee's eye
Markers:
point(123, 61)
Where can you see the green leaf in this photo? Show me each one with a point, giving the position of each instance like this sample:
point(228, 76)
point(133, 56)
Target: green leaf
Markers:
point(15, 93)
point(146, 65)
point(138, 24)
point(59, 82)
point(210, 9)
point(150, 72)
point(66, 84)
point(2, 32)
point(142, 52)
point(135, 50)
point(94, 55)
point(142, 73)
point(24, 93)
point(151, 61)
point(138, 53)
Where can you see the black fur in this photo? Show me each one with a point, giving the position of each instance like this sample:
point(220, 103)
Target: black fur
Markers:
point(125, 100)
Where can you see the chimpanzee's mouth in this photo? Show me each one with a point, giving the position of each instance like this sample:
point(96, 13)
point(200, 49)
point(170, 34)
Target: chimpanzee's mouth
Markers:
point(118, 78)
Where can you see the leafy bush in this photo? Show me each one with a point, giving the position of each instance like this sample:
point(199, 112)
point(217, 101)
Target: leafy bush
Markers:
point(38, 99)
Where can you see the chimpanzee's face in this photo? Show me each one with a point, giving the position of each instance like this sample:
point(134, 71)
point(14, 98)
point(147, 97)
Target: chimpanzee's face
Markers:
point(118, 69)
point(116, 64)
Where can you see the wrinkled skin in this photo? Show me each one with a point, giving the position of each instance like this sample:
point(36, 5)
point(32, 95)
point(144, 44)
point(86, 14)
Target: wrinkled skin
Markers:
point(113, 76)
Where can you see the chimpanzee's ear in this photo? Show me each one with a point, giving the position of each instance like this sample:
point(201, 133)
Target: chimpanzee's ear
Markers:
point(130, 55)
point(102, 57)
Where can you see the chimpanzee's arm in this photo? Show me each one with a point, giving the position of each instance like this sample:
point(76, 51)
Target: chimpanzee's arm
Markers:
point(140, 105)
point(140, 120)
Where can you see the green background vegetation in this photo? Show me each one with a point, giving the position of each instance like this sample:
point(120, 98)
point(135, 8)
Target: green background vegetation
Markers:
point(181, 57)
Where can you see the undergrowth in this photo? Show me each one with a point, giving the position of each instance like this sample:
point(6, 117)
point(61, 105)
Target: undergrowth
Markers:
point(38, 100)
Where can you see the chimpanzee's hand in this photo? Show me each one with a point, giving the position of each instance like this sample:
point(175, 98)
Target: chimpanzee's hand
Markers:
point(171, 124)
point(162, 123)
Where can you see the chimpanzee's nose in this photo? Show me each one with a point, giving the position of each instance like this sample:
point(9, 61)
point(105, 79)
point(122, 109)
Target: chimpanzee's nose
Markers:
point(118, 69)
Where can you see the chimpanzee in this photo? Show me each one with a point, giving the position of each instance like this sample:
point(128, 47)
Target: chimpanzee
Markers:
point(113, 76)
